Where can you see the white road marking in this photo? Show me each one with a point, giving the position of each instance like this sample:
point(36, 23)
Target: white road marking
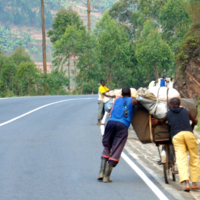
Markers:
point(9, 121)
point(140, 173)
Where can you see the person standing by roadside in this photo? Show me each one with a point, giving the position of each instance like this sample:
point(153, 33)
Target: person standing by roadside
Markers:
point(184, 141)
point(116, 133)
point(102, 92)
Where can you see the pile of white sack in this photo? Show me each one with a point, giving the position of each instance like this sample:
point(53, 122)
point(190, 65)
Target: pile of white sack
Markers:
point(154, 99)
point(118, 93)
point(108, 102)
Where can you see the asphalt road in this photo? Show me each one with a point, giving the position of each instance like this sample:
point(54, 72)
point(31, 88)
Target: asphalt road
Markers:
point(54, 153)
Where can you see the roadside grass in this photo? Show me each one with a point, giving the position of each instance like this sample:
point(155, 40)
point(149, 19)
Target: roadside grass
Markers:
point(198, 115)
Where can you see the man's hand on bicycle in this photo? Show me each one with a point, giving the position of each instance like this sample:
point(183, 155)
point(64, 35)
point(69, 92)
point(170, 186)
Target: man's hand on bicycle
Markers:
point(154, 121)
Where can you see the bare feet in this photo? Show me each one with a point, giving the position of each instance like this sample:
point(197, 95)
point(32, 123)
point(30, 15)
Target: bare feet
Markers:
point(99, 123)
point(187, 186)
point(195, 186)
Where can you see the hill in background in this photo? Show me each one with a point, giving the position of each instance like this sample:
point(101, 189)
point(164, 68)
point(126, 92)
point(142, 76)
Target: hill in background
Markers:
point(20, 22)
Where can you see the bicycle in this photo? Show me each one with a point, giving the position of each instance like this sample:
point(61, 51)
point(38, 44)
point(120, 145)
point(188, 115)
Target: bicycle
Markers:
point(169, 167)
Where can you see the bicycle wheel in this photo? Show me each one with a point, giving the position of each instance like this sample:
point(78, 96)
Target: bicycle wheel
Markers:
point(174, 170)
point(173, 175)
point(166, 168)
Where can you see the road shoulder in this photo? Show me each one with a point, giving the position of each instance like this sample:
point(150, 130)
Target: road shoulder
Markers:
point(146, 155)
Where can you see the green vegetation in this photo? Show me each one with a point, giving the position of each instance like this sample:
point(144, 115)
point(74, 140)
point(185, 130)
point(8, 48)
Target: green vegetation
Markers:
point(153, 54)
point(26, 12)
point(133, 43)
point(190, 45)
point(10, 40)
point(20, 77)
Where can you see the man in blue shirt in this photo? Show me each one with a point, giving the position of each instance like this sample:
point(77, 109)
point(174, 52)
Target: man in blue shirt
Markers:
point(162, 82)
point(116, 133)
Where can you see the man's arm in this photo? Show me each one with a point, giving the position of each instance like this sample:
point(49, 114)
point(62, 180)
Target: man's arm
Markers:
point(155, 121)
point(194, 120)
point(110, 96)
point(135, 102)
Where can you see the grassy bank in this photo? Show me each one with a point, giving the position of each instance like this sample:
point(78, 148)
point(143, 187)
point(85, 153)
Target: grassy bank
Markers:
point(198, 125)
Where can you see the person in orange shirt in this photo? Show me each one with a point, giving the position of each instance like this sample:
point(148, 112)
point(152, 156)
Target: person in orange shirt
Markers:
point(102, 92)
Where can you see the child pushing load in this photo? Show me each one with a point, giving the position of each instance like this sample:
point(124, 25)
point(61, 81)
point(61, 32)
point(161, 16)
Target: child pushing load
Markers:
point(184, 141)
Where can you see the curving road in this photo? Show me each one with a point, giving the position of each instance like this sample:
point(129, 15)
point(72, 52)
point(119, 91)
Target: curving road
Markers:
point(53, 153)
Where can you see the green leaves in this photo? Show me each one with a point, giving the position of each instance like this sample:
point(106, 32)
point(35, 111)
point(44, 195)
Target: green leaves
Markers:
point(63, 19)
point(10, 40)
point(113, 51)
point(153, 54)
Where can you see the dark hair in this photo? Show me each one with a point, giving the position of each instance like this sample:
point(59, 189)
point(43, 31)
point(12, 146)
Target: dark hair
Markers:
point(126, 91)
point(175, 101)
point(102, 81)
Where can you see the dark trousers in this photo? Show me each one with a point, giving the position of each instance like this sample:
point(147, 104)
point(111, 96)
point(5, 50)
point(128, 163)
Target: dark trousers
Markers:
point(114, 140)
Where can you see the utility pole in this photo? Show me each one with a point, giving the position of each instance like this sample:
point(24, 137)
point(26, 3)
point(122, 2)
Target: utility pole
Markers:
point(44, 44)
point(88, 11)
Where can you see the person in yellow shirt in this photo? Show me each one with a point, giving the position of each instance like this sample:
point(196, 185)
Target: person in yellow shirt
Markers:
point(102, 92)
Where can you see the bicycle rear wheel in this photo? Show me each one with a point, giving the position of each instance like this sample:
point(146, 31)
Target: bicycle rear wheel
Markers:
point(166, 166)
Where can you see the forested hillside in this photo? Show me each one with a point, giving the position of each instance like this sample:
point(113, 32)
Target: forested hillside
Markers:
point(133, 43)
point(20, 22)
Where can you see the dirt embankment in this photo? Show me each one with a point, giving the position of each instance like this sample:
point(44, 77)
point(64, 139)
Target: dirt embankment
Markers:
point(188, 80)
point(188, 65)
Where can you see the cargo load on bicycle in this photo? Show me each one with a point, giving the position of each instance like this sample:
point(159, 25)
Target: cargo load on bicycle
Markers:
point(155, 104)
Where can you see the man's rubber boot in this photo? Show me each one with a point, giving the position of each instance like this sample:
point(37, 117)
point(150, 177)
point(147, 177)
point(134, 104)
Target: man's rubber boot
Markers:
point(108, 171)
point(102, 170)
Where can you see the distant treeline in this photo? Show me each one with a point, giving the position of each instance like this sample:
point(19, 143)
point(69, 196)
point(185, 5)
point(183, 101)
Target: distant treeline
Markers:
point(26, 12)
point(19, 76)
point(135, 42)
point(10, 40)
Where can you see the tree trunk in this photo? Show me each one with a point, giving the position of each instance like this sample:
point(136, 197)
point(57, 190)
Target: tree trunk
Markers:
point(75, 74)
point(69, 72)
point(156, 70)
point(44, 44)
point(107, 75)
point(12, 85)
point(82, 85)
point(92, 87)
point(29, 93)
point(88, 12)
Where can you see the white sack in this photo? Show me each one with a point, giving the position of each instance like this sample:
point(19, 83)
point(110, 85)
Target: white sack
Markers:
point(157, 109)
point(118, 93)
point(134, 93)
point(162, 93)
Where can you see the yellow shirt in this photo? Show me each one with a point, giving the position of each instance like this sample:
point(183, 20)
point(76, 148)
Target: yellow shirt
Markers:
point(102, 89)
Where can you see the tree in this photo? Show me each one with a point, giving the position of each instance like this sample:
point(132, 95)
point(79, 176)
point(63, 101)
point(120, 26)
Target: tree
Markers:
point(20, 55)
point(57, 81)
point(27, 73)
point(68, 47)
point(87, 71)
point(153, 54)
point(8, 73)
point(112, 49)
point(63, 19)
point(43, 43)
point(175, 22)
